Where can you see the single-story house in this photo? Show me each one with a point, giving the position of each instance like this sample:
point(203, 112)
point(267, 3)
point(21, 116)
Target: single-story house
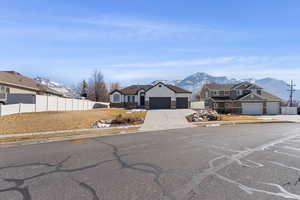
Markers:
point(243, 98)
point(157, 96)
point(16, 88)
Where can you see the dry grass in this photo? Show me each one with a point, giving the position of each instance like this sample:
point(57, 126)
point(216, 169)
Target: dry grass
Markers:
point(22, 138)
point(238, 117)
point(54, 121)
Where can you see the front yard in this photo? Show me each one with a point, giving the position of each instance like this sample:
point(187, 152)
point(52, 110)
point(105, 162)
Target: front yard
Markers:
point(54, 121)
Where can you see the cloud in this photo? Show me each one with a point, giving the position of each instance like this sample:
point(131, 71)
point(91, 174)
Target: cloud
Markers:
point(115, 27)
point(280, 67)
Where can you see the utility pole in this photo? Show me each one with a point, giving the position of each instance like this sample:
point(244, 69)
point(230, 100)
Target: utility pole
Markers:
point(291, 90)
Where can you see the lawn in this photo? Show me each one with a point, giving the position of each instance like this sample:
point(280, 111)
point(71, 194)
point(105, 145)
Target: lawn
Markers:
point(53, 121)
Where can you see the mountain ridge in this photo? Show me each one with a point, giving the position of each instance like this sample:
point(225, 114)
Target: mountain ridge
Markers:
point(195, 82)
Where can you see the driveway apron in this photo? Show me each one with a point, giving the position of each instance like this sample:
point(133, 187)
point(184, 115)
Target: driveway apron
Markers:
point(166, 119)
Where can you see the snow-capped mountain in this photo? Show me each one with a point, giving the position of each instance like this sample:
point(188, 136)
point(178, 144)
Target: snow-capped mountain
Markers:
point(67, 92)
point(196, 81)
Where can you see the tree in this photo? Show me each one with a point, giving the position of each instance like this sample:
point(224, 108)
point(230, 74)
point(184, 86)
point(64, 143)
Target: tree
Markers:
point(115, 86)
point(97, 90)
point(84, 89)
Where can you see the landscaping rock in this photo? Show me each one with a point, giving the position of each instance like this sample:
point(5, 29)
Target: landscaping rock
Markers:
point(203, 115)
point(118, 121)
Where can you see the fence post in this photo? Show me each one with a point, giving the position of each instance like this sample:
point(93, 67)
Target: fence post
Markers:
point(20, 107)
point(1, 109)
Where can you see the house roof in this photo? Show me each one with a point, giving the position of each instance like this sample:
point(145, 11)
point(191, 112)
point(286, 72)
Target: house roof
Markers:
point(16, 79)
point(134, 89)
point(216, 86)
point(243, 85)
point(270, 97)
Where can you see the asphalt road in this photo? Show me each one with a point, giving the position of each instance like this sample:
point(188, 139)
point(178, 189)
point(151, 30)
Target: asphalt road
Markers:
point(231, 162)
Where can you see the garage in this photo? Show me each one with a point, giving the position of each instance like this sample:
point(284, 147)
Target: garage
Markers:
point(160, 102)
point(252, 108)
point(273, 108)
point(182, 102)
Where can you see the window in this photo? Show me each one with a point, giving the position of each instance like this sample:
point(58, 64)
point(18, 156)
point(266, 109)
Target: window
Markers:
point(131, 99)
point(259, 92)
point(7, 90)
point(116, 98)
point(2, 90)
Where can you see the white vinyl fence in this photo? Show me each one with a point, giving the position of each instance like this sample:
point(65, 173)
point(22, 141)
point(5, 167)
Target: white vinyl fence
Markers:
point(47, 103)
point(289, 110)
point(197, 105)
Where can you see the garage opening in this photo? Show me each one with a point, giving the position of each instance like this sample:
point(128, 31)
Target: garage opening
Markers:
point(182, 103)
point(160, 102)
point(252, 108)
point(273, 108)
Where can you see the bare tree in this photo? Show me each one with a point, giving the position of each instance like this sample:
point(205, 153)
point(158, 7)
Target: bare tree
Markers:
point(97, 90)
point(115, 86)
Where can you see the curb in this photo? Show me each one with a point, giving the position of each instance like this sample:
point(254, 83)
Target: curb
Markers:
point(4, 136)
point(222, 123)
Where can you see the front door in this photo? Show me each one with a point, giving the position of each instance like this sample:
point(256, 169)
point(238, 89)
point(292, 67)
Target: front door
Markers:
point(142, 100)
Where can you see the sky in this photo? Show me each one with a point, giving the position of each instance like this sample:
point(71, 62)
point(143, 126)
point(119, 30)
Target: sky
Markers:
point(138, 41)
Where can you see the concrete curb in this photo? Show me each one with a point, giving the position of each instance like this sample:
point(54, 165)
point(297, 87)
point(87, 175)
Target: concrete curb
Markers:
point(62, 131)
point(222, 123)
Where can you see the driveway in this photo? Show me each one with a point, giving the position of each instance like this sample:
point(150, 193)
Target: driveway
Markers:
point(166, 119)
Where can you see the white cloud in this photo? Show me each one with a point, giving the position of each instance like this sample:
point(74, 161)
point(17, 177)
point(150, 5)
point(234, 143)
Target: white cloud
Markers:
point(280, 67)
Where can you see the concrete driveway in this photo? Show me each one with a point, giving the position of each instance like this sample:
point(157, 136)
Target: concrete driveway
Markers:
point(166, 119)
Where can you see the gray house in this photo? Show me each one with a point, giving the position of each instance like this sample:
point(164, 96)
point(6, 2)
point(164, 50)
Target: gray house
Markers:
point(243, 98)
point(158, 96)
point(16, 88)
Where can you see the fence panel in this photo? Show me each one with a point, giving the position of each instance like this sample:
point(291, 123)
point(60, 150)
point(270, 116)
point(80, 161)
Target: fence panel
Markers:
point(198, 105)
point(10, 109)
point(41, 103)
point(289, 111)
point(61, 104)
point(26, 108)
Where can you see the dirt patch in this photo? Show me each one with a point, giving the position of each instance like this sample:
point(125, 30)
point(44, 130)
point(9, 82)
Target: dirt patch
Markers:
point(54, 121)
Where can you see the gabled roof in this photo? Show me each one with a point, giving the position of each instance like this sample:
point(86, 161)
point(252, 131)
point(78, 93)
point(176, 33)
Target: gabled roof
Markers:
point(216, 86)
point(134, 89)
point(18, 80)
point(270, 97)
point(172, 87)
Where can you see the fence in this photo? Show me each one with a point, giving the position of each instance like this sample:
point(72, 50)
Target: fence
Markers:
point(197, 105)
point(289, 110)
point(47, 103)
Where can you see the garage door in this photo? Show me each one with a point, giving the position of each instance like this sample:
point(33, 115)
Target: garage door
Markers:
point(160, 102)
point(252, 108)
point(182, 102)
point(273, 108)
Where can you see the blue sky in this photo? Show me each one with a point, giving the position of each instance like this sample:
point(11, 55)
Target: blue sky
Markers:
point(137, 41)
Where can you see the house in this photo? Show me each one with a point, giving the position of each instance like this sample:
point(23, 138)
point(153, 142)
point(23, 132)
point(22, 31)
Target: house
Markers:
point(16, 88)
point(157, 96)
point(243, 98)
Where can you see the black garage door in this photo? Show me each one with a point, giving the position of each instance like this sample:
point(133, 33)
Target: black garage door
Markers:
point(160, 102)
point(182, 103)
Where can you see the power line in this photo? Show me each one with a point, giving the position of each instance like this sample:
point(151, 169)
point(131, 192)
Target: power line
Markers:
point(291, 90)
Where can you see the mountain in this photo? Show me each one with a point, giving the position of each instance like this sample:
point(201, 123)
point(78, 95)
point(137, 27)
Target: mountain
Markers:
point(277, 87)
point(195, 82)
point(67, 92)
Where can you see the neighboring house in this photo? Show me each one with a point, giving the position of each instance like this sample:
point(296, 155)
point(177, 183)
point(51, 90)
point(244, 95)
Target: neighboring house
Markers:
point(243, 98)
point(16, 88)
point(158, 96)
